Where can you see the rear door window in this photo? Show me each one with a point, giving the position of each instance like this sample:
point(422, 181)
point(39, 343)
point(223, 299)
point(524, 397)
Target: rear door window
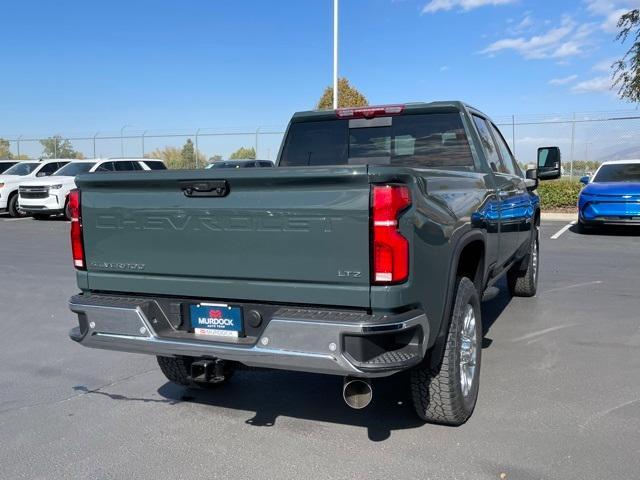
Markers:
point(507, 158)
point(432, 140)
point(489, 146)
point(127, 166)
point(105, 167)
point(47, 169)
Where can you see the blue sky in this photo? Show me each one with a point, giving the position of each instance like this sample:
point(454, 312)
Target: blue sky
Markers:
point(77, 67)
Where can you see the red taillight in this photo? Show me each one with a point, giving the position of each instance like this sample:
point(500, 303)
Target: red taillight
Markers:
point(370, 112)
point(390, 250)
point(77, 245)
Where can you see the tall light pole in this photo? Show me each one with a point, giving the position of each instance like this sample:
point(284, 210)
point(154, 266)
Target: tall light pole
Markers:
point(122, 139)
point(335, 54)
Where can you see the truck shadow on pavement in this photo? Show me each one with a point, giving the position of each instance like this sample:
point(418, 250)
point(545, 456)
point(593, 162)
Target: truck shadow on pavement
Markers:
point(491, 311)
point(270, 394)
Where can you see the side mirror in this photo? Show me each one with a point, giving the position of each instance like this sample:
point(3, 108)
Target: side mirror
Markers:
point(531, 178)
point(41, 174)
point(584, 179)
point(549, 163)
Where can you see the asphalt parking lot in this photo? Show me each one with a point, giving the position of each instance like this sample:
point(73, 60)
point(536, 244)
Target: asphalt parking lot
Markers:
point(559, 392)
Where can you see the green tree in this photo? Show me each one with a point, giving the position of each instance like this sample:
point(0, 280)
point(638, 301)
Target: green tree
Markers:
point(179, 158)
point(5, 151)
point(188, 154)
point(57, 147)
point(626, 71)
point(172, 156)
point(244, 154)
point(348, 96)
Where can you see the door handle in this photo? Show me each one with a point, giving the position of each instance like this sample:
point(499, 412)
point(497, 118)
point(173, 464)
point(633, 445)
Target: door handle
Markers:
point(208, 188)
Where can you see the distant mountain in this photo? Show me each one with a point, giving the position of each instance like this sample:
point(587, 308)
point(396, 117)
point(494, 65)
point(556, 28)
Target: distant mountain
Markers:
point(621, 154)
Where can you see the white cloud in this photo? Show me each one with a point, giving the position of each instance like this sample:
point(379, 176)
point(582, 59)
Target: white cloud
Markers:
point(466, 5)
point(611, 11)
point(522, 26)
point(525, 23)
point(604, 65)
point(598, 84)
point(563, 80)
point(566, 40)
point(444, 68)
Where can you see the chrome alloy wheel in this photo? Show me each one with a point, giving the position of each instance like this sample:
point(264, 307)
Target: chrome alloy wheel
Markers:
point(468, 350)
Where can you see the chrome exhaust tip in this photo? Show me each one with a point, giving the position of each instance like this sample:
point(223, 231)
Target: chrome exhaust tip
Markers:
point(357, 392)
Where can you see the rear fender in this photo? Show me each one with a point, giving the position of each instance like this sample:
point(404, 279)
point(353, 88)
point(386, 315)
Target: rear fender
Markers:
point(436, 352)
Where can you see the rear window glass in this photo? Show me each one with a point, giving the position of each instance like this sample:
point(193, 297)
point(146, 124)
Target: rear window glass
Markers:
point(429, 140)
point(618, 172)
point(155, 165)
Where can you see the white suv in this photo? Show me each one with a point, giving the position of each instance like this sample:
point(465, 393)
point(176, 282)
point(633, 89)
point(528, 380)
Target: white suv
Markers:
point(20, 173)
point(46, 197)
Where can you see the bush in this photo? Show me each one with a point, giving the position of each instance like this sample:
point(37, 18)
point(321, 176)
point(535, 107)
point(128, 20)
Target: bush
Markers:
point(560, 193)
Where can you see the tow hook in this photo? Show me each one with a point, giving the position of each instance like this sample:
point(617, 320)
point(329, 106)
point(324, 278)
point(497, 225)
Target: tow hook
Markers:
point(210, 371)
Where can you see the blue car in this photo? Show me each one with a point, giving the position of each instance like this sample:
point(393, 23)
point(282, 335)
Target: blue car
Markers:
point(612, 196)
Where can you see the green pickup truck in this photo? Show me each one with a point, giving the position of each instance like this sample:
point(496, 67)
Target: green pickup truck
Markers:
point(365, 252)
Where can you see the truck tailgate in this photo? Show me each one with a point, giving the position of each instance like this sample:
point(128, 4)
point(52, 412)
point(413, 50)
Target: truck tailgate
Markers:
point(291, 235)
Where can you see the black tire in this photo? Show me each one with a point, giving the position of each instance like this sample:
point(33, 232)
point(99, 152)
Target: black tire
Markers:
point(523, 279)
point(41, 216)
point(437, 394)
point(177, 370)
point(12, 207)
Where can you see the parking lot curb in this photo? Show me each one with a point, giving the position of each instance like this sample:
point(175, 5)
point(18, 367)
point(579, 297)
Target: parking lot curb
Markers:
point(564, 217)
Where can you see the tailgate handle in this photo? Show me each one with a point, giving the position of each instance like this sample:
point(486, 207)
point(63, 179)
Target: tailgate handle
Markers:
point(210, 188)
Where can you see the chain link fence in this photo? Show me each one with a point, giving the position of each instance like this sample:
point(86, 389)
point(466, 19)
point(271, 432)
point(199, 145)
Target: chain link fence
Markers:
point(139, 143)
point(585, 140)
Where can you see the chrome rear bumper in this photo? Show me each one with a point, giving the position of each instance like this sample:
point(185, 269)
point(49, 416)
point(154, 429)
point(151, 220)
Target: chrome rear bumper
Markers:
point(293, 339)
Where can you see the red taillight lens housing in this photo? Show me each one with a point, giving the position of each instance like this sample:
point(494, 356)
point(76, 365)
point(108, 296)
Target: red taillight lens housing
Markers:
point(389, 249)
point(77, 243)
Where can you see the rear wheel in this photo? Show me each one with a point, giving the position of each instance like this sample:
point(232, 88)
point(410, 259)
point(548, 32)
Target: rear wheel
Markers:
point(13, 208)
point(523, 278)
point(178, 370)
point(448, 395)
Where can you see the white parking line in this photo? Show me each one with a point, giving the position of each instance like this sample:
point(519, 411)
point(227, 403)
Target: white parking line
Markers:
point(16, 219)
point(562, 230)
point(577, 285)
point(543, 332)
